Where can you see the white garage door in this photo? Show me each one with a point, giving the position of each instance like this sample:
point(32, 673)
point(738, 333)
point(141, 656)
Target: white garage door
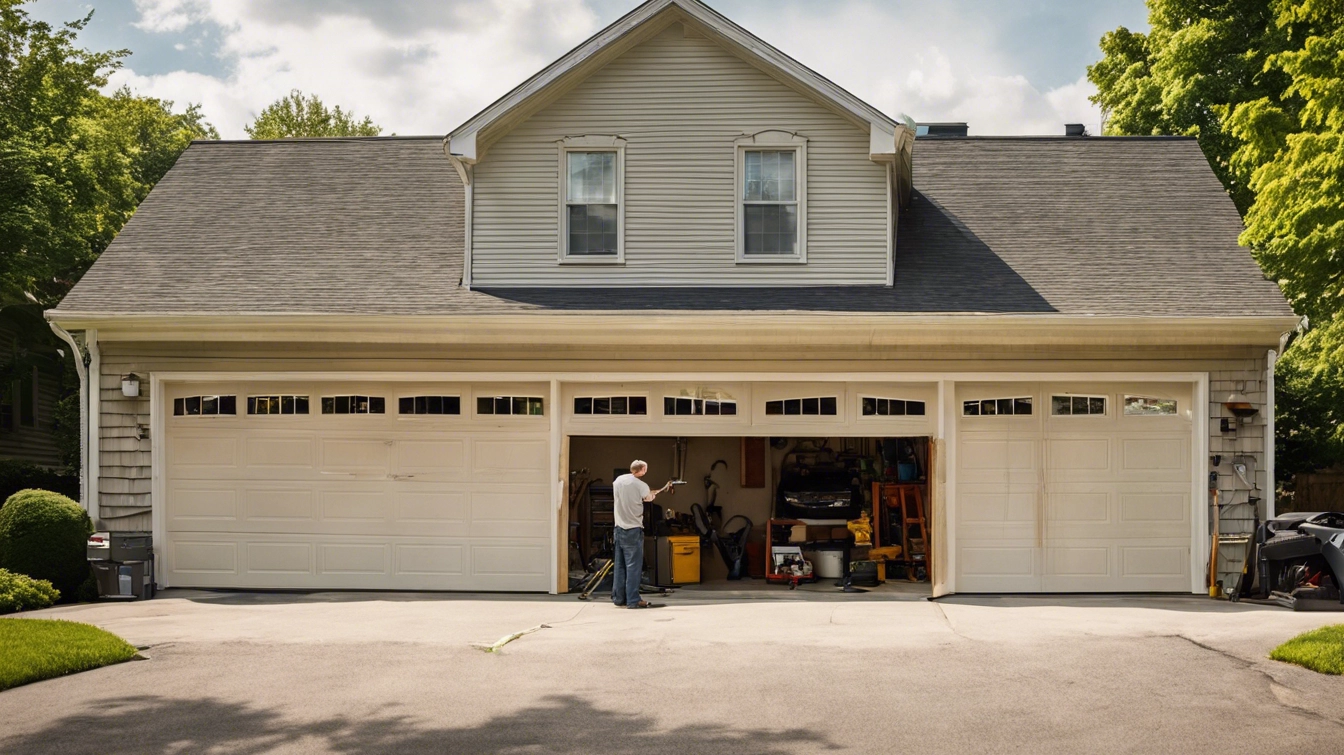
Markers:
point(354, 500)
point(1073, 488)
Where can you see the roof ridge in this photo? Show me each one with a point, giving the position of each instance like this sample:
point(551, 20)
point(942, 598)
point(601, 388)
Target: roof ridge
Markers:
point(324, 139)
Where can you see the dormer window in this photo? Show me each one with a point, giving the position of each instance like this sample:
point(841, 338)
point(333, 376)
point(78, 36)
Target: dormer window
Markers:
point(592, 170)
point(772, 198)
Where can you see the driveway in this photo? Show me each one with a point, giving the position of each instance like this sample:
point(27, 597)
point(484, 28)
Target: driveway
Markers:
point(343, 672)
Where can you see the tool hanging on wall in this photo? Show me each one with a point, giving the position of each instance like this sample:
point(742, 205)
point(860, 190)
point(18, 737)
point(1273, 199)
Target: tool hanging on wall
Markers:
point(712, 508)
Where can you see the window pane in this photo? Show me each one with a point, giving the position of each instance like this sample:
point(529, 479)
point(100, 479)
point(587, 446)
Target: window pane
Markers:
point(897, 408)
point(989, 408)
point(535, 407)
point(592, 177)
point(774, 407)
point(970, 408)
point(914, 408)
point(793, 406)
point(452, 405)
point(328, 405)
point(1096, 405)
point(811, 406)
point(601, 406)
point(485, 405)
point(179, 407)
point(771, 229)
point(669, 406)
point(209, 404)
point(1005, 405)
point(193, 406)
point(228, 404)
point(583, 406)
point(685, 407)
point(286, 404)
point(592, 229)
point(639, 405)
point(1020, 406)
point(619, 405)
point(520, 405)
point(869, 407)
point(828, 406)
point(377, 405)
point(1061, 405)
point(768, 176)
point(1080, 404)
point(728, 408)
point(406, 405)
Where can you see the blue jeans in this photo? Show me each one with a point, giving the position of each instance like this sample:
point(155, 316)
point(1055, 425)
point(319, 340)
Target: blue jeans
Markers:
point(628, 565)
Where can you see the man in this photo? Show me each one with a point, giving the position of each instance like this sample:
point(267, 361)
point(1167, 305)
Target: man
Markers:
point(631, 493)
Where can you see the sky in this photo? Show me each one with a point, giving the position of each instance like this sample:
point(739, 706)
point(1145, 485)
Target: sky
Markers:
point(425, 66)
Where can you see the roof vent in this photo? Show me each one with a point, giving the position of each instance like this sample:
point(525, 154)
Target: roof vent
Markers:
point(940, 129)
point(1075, 129)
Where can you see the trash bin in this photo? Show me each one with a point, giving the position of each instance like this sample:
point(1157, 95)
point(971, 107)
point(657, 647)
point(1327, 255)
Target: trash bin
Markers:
point(123, 565)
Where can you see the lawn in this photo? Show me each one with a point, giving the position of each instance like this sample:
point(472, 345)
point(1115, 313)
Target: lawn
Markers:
point(1319, 650)
point(36, 649)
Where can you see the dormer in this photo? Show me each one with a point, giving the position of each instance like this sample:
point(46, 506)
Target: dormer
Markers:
point(674, 148)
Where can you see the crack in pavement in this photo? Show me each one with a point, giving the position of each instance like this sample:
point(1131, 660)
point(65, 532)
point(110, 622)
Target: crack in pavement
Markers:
point(1279, 691)
point(948, 622)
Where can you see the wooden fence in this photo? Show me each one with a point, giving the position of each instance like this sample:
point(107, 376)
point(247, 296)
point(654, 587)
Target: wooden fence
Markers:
point(1317, 491)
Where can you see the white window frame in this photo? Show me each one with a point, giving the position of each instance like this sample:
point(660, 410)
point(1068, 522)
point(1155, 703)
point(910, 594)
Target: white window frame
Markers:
point(1089, 396)
point(870, 417)
point(591, 144)
point(772, 141)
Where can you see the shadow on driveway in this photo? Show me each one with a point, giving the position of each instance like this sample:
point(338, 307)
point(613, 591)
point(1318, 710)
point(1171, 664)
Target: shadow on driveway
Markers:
point(560, 724)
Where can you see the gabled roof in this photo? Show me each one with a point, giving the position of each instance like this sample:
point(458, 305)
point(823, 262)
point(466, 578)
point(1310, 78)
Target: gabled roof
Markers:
point(1107, 227)
point(469, 141)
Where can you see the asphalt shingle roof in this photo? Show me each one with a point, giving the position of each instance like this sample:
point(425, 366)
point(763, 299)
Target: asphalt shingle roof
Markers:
point(1123, 227)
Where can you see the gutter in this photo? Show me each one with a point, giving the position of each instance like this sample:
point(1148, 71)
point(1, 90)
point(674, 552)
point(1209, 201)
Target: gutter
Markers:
point(82, 361)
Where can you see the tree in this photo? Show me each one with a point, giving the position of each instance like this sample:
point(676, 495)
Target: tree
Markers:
point(74, 164)
point(1261, 84)
point(294, 116)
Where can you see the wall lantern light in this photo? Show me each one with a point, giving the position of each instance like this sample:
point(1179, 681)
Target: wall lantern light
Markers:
point(130, 385)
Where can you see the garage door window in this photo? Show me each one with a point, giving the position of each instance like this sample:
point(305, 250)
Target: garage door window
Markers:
point(205, 406)
point(821, 406)
point(609, 405)
point(891, 407)
point(277, 405)
point(682, 406)
point(429, 405)
point(997, 407)
point(1143, 406)
point(510, 405)
point(1077, 406)
point(354, 405)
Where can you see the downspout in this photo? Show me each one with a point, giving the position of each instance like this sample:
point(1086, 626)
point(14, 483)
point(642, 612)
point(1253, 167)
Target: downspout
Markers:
point(81, 368)
point(465, 173)
point(1271, 484)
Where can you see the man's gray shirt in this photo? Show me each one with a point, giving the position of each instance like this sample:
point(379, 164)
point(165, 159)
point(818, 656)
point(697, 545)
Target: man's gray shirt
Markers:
point(629, 492)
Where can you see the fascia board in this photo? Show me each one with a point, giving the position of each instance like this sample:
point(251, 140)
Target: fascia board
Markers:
point(751, 329)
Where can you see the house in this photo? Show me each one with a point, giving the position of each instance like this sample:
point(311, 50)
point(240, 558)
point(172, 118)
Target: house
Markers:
point(375, 363)
point(30, 386)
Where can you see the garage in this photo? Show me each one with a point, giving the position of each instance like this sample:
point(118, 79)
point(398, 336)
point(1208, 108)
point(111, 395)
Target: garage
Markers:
point(1073, 487)
point(359, 486)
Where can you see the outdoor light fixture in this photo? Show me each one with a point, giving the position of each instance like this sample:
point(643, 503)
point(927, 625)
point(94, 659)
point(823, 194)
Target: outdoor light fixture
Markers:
point(1240, 406)
point(130, 386)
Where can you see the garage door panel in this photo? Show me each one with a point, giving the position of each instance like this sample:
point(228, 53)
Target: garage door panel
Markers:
point(268, 505)
point(519, 460)
point(517, 513)
point(1078, 455)
point(1078, 507)
point(434, 560)
point(1153, 459)
point(432, 459)
point(196, 455)
point(353, 558)
point(1172, 560)
point(364, 505)
point(272, 456)
point(279, 558)
point(194, 556)
point(196, 504)
point(1093, 561)
point(432, 512)
point(1161, 508)
point(361, 456)
point(990, 460)
point(509, 560)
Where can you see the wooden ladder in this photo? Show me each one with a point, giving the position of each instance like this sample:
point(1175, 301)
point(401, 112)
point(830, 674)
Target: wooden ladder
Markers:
point(908, 501)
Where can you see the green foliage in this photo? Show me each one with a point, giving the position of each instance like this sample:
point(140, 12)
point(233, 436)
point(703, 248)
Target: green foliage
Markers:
point(1320, 650)
point(294, 116)
point(43, 535)
point(21, 475)
point(1261, 83)
point(36, 649)
point(20, 592)
point(73, 162)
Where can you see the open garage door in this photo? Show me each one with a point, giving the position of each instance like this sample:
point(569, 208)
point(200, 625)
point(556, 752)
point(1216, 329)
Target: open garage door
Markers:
point(1073, 488)
point(349, 486)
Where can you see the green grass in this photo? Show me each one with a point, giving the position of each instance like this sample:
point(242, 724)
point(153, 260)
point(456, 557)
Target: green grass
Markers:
point(35, 649)
point(1319, 650)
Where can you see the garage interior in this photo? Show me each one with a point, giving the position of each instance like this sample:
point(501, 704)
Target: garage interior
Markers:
point(829, 514)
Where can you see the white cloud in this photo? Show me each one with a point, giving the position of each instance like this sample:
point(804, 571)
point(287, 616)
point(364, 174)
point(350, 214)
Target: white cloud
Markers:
point(422, 67)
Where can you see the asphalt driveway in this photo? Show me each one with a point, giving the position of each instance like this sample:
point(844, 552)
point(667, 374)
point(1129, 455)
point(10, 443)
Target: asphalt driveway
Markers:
point(332, 672)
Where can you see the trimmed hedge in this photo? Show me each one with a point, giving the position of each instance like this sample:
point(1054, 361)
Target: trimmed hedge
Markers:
point(21, 475)
point(20, 592)
point(43, 535)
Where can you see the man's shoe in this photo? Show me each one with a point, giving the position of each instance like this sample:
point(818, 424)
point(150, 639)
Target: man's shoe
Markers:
point(643, 604)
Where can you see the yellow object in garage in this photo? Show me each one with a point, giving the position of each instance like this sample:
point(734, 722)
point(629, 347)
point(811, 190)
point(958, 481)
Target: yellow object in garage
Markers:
point(684, 551)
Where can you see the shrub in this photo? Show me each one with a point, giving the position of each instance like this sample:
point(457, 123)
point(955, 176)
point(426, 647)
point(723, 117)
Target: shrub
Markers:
point(43, 535)
point(20, 592)
point(20, 475)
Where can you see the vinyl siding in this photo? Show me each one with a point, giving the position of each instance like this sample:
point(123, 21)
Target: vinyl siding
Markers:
point(680, 102)
point(124, 460)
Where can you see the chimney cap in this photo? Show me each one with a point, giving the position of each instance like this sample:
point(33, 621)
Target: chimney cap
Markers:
point(1075, 129)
